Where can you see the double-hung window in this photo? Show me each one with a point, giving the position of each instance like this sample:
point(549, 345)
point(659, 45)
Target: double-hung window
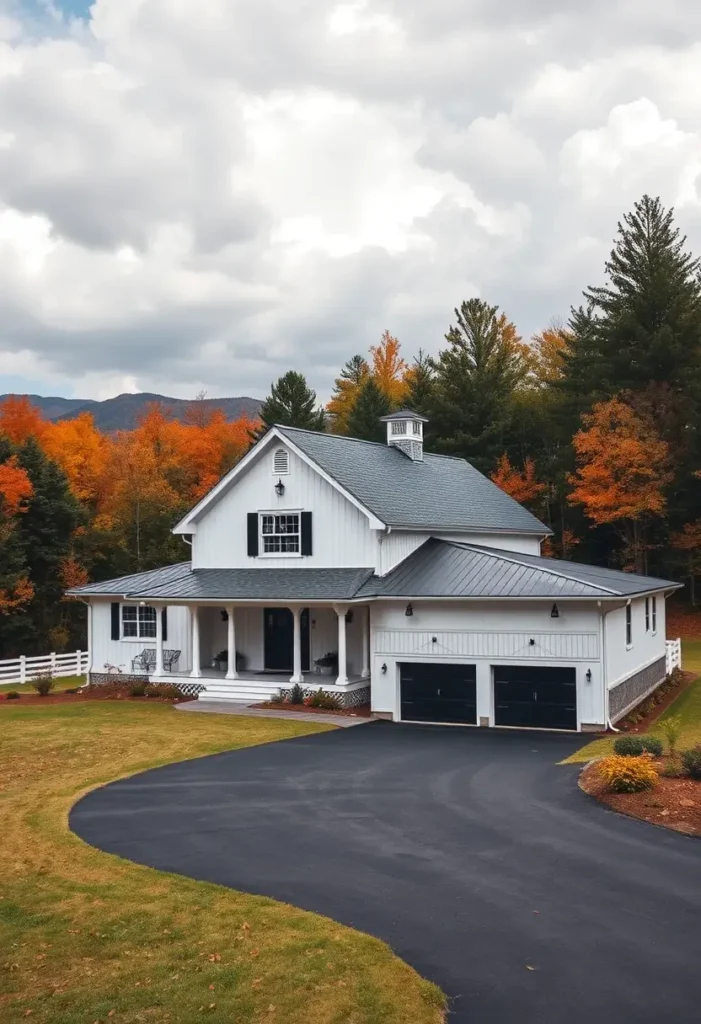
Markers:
point(280, 534)
point(138, 622)
point(629, 625)
point(654, 614)
point(647, 614)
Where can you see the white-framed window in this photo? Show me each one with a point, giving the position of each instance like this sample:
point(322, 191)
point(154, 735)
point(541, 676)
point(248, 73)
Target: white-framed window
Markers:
point(281, 462)
point(629, 625)
point(417, 427)
point(399, 426)
point(654, 614)
point(138, 622)
point(280, 533)
point(647, 614)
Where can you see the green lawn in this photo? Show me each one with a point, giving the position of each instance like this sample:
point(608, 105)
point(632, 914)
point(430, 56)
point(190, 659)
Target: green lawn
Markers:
point(65, 683)
point(688, 705)
point(87, 937)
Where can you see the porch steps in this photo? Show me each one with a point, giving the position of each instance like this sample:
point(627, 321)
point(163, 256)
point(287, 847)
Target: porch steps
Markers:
point(241, 690)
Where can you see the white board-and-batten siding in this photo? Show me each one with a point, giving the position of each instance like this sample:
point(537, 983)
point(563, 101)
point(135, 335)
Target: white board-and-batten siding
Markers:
point(397, 545)
point(106, 651)
point(341, 532)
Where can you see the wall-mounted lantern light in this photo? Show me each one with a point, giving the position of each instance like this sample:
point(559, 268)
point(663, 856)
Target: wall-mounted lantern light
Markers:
point(531, 642)
point(409, 611)
point(588, 675)
point(224, 615)
point(384, 670)
point(349, 616)
point(555, 612)
point(279, 488)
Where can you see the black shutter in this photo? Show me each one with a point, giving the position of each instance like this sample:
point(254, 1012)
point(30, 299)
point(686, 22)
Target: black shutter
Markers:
point(252, 534)
point(306, 533)
point(115, 622)
point(164, 624)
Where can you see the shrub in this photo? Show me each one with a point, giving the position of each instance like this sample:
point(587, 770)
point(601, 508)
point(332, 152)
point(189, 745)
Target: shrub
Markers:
point(43, 684)
point(691, 759)
point(324, 701)
point(628, 774)
point(673, 768)
point(634, 746)
point(671, 727)
point(297, 694)
point(12, 695)
point(137, 690)
point(167, 691)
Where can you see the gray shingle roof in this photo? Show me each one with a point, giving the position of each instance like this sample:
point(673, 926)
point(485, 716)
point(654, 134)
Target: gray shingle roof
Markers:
point(181, 582)
point(442, 569)
point(440, 493)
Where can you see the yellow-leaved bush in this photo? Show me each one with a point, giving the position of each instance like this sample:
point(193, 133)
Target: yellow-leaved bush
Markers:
point(628, 774)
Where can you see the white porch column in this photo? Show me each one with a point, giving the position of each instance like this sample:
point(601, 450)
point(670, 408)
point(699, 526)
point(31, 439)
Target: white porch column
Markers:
point(231, 644)
point(341, 611)
point(196, 668)
point(159, 641)
point(297, 676)
point(366, 643)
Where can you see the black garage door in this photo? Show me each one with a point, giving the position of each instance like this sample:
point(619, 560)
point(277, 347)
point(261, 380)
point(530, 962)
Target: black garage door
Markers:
point(542, 698)
point(438, 693)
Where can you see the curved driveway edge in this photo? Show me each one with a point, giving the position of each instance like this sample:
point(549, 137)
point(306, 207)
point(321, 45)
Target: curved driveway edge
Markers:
point(471, 852)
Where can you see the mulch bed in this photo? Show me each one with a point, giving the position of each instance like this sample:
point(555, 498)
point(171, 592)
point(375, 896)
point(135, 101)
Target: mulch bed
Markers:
point(644, 725)
point(673, 803)
point(91, 693)
point(360, 712)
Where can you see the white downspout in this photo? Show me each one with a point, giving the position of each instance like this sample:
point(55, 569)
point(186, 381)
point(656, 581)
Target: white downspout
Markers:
point(88, 605)
point(604, 672)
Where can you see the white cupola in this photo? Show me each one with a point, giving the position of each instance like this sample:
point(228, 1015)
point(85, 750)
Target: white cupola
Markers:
point(405, 430)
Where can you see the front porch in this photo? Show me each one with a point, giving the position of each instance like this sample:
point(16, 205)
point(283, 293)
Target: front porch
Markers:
point(250, 652)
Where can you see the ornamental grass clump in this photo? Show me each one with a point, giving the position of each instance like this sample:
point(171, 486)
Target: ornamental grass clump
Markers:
point(625, 774)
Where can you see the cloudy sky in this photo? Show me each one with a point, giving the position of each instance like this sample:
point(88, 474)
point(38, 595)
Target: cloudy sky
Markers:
point(201, 195)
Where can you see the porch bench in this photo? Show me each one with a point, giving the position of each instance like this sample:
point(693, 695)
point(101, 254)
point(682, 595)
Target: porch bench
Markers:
point(146, 661)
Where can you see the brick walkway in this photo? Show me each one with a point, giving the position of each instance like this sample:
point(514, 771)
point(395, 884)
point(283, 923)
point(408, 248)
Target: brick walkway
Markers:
point(231, 707)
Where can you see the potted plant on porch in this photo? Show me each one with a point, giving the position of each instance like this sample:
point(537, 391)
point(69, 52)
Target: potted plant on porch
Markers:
point(328, 665)
point(220, 661)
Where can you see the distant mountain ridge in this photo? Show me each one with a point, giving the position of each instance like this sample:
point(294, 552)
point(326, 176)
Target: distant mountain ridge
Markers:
point(124, 411)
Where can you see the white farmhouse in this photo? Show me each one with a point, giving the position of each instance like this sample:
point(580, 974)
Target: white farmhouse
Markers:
point(379, 573)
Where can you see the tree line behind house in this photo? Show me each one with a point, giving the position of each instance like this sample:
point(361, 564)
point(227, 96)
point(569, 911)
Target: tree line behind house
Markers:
point(594, 424)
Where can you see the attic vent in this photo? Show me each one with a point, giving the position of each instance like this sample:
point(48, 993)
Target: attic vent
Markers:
point(281, 462)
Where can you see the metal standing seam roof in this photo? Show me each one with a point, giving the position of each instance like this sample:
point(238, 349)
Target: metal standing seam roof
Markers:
point(440, 493)
point(437, 569)
point(455, 570)
point(255, 584)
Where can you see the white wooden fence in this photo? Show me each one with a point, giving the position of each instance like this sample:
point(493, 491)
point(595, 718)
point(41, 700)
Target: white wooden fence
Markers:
point(22, 670)
point(674, 655)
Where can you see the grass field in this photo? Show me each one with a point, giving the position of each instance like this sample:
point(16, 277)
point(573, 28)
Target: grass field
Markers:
point(66, 683)
point(87, 937)
point(688, 705)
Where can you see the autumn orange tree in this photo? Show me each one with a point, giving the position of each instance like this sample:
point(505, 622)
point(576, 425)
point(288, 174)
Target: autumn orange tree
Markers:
point(521, 484)
point(389, 369)
point(687, 542)
point(621, 474)
point(16, 590)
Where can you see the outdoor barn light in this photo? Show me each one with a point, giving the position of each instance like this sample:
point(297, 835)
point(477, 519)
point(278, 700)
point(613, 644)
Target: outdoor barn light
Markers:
point(409, 611)
point(279, 488)
point(384, 670)
point(588, 675)
point(555, 613)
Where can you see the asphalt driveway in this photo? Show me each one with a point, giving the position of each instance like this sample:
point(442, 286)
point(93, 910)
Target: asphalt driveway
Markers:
point(471, 852)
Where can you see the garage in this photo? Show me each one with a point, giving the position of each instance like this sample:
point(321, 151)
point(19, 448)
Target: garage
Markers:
point(535, 698)
point(438, 693)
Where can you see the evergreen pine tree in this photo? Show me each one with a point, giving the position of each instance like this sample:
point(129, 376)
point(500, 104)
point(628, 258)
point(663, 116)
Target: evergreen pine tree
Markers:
point(46, 531)
point(364, 418)
point(291, 403)
point(345, 391)
point(420, 380)
point(475, 378)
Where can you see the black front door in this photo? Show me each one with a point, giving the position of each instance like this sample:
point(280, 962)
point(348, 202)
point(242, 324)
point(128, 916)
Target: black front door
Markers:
point(539, 698)
point(279, 639)
point(439, 693)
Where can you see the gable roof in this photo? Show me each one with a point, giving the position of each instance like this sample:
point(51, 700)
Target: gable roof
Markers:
point(440, 493)
point(454, 570)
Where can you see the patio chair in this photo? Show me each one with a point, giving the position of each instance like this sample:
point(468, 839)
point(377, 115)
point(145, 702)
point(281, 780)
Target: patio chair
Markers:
point(144, 662)
point(170, 659)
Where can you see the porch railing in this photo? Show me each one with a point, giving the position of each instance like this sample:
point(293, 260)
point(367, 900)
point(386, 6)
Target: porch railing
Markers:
point(23, 669)
point(673, 650)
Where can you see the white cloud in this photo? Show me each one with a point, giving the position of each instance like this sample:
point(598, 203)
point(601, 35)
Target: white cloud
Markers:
point(204, 195)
